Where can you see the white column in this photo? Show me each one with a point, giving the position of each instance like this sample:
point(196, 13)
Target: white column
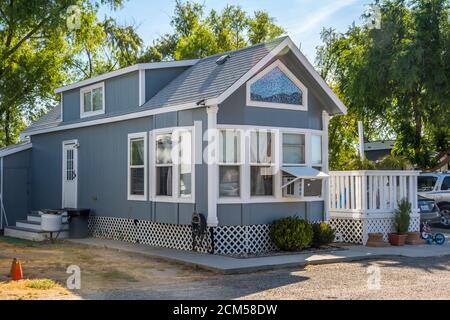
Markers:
point(325, 168)
point(213, 183)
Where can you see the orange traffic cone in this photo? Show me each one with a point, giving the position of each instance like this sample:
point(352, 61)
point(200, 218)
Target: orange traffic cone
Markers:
point(16, 270)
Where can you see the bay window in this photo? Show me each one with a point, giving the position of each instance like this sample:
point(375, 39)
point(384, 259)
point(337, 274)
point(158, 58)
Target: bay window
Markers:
point(137, 166)
point(293, 149)
point(261, 163)
point(229, 163)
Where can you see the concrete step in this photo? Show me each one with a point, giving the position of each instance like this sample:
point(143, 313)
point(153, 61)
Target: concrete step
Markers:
point(31, 234)
point(36, 217)
point(34, 225)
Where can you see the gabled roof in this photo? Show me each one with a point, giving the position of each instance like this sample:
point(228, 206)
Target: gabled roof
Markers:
point(204, 81)
point(207, 79)
point(15, 148)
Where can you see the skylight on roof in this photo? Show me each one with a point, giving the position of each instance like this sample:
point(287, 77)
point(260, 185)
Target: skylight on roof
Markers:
point(223, 59)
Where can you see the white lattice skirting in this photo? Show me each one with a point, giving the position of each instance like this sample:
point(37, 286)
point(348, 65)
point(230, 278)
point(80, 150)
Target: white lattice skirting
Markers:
point(357, 230)
point(227, 240)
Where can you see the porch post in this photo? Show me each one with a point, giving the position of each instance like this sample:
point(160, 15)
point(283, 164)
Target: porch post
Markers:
point(325, 168)
point(213, 149)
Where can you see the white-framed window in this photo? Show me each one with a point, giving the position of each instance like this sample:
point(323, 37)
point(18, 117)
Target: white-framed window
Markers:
point(254, 174)
point(262, 159)
point(92, 100)
point(137, 166)
point(174, 165)
point(277, 87)
point(230, 163)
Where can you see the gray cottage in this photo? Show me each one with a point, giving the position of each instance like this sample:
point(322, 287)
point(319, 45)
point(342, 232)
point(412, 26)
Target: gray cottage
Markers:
point(240, 137)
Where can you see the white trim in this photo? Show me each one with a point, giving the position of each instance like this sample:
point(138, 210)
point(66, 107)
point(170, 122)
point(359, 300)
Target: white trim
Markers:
point(132, 136)
point(86, 114)
point(286, 43)
point(64, 163)
point(141, 87)
point(17, 149)
point(134, 115)
point(213, 167)
point(62, 108)
point(136, 67)
point(325, 164)
point(175, 197)
point(291, 76)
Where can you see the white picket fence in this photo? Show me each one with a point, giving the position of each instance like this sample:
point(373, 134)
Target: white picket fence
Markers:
point(362, 202)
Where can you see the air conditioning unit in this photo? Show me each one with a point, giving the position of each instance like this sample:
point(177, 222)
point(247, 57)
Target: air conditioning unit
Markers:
point(294, 189)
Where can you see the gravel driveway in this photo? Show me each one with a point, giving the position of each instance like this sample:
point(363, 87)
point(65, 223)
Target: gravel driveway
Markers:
point(403, 278)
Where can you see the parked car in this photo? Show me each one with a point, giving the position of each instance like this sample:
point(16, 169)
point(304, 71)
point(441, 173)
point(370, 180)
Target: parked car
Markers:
point(429, 211)
point(436, 186)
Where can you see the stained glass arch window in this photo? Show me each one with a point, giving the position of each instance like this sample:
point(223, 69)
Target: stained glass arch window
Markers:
point(277, 87)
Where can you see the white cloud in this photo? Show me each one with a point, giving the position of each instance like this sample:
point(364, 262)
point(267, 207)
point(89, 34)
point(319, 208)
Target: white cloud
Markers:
point(318, 17)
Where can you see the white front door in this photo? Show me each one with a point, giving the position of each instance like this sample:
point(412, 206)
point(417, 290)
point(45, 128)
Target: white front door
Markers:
point(70, 174)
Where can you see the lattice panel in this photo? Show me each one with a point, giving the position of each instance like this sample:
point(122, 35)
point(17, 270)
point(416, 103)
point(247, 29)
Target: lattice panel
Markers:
point(414, 224)
point(164, 235)
point(380, 225)
point(243, 240)
point(351, 230)
point(113, 228)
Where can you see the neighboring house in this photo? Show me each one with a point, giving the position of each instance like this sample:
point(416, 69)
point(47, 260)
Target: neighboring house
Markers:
point(377, 150)
point(108, 147)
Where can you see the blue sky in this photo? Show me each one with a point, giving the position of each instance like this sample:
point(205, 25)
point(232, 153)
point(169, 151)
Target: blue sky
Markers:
point(302, 19)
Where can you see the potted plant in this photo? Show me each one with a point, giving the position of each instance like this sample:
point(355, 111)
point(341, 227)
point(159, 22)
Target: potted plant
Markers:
point(401, 223)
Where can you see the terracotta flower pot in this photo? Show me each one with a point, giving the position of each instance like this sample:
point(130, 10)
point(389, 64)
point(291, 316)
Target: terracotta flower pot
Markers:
point(413, 238)
point(396, 239)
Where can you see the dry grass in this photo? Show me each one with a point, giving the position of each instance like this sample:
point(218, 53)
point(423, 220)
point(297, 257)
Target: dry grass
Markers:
point(101, 270)
point(33, 289)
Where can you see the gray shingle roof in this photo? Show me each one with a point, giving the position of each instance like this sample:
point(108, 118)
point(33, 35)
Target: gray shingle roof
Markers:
point(49, 120)
point(204, 80)
point(207, 80)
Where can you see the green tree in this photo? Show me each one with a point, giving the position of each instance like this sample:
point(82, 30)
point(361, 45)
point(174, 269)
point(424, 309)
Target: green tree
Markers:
point(396, 79)
point(38, 52)
point(197, 35)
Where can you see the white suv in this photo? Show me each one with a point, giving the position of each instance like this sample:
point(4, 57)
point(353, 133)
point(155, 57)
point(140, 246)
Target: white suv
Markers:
point(436, 186)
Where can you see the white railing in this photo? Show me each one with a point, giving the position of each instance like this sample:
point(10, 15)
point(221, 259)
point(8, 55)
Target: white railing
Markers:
point(366, 193)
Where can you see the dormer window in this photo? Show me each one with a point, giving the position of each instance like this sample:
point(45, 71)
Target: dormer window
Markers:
point(92, 100)
point(277, 87)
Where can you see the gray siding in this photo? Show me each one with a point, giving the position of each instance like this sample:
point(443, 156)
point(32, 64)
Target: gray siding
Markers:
point(235, 111)
point(156, 79)
point(121, 93)
point(16, 182)
point(102, 171)
point(266, 213)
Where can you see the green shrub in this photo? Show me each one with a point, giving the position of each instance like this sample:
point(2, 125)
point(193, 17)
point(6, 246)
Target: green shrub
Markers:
point(291, 234)
point(359, 164)
point(402, 217)
point(323, 234)
point(392, 162)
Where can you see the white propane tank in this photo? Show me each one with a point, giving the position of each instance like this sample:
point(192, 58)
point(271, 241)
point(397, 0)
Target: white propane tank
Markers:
point(51, 222)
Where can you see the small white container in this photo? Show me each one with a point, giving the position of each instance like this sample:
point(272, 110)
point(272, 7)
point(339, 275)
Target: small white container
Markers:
point(51, 222)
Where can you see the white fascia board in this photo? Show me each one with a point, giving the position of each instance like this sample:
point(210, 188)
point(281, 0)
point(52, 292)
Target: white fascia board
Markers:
point(256, 68)
point(19, 148)
point(134, 115)
point(136, 67)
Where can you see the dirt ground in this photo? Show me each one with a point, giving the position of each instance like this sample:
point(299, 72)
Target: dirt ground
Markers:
point(110, 274)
